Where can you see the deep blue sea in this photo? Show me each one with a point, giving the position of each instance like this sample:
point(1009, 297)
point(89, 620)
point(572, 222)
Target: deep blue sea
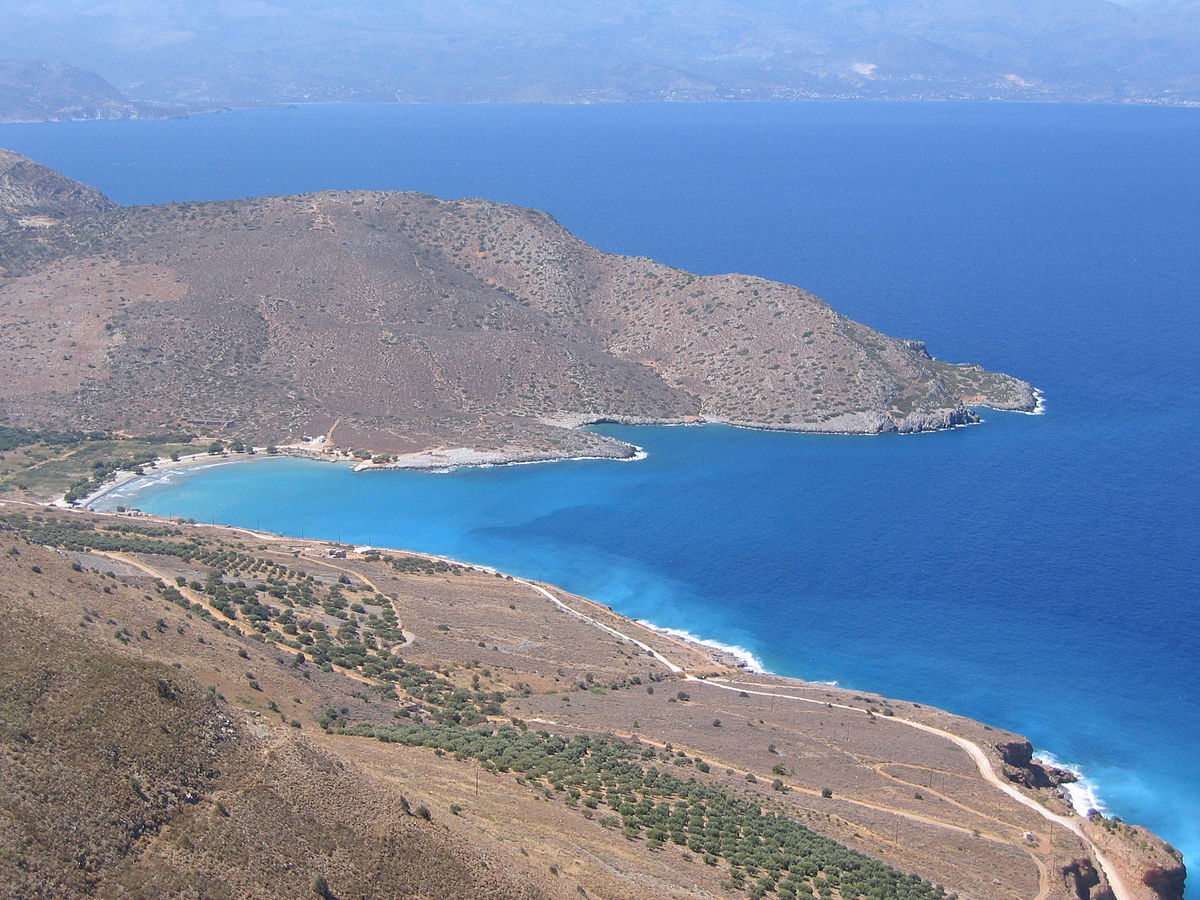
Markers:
point(1036, 572)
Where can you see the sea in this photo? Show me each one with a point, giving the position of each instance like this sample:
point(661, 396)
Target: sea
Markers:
point(1037, 572)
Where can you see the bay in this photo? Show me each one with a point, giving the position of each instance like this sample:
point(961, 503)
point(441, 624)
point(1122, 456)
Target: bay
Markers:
point(1036, 572)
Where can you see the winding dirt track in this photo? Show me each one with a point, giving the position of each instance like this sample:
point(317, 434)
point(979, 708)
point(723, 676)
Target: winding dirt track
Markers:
point(977, 754)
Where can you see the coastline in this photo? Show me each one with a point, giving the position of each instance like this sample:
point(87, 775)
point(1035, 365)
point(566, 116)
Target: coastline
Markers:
point(193, 461)
point(1082, 796)
point(728, 660)
point(443, 460)
point(748, 660)
point(448, 459)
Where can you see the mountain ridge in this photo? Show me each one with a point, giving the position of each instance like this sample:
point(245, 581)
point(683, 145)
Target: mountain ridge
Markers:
point(413, 323)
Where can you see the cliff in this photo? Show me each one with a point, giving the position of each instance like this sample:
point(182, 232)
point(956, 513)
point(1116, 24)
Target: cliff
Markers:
point(410, 323)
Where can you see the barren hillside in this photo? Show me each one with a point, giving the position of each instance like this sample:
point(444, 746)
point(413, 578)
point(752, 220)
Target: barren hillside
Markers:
point(414, 322)
point(194, 711)
point(124, 777)
point(31, 194)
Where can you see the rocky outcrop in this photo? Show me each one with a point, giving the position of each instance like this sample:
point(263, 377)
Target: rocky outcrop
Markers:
point(1167, 882)
point(1082, 878)
point(1022, 768)
point(1150, 868)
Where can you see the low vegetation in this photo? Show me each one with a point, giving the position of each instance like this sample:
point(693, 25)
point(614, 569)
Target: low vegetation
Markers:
point(46, 464)
point(766, 853)
point(340, 624)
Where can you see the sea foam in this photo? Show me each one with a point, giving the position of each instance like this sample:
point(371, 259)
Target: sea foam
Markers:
point(753, 663)
point(1084, 793)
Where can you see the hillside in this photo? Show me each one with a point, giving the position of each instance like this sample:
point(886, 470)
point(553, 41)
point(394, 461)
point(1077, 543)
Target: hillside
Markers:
point(199, 711)
point(125, 777)
point(31, 194)
point(412, 323)
point(38, 91)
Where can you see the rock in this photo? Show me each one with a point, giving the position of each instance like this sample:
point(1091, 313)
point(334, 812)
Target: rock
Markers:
point(1020, 767)
point(1166, 882)
point(1081, 877)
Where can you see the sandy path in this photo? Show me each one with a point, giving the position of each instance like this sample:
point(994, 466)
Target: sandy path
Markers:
point(977, 754)
point(649, 650)
point(982, 763)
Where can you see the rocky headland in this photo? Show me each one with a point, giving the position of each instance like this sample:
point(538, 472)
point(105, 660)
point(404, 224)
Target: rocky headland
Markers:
point(34, 90)
point(400, 323)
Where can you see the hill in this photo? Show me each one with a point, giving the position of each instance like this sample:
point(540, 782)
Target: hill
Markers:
point(198, 711)
point(31, 194)
point(38, 91)
point(401, 323)
point(125, 777)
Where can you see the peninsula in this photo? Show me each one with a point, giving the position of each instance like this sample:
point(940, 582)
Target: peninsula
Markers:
point(52, 91)
point(207, 710)
point(398, 323)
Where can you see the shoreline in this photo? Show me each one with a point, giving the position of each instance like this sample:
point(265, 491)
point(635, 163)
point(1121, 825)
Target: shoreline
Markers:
point(1082, 796)
point(749, 661)
point(445, 460)
point(1065, 810)
point(991, 768)
point(195, 461)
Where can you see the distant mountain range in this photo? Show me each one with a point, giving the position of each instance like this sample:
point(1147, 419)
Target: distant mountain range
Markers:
point(252, 51)
point(35, 91)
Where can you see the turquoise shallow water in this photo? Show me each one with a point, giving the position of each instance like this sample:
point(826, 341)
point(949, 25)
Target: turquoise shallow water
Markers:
point(1035, 572)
